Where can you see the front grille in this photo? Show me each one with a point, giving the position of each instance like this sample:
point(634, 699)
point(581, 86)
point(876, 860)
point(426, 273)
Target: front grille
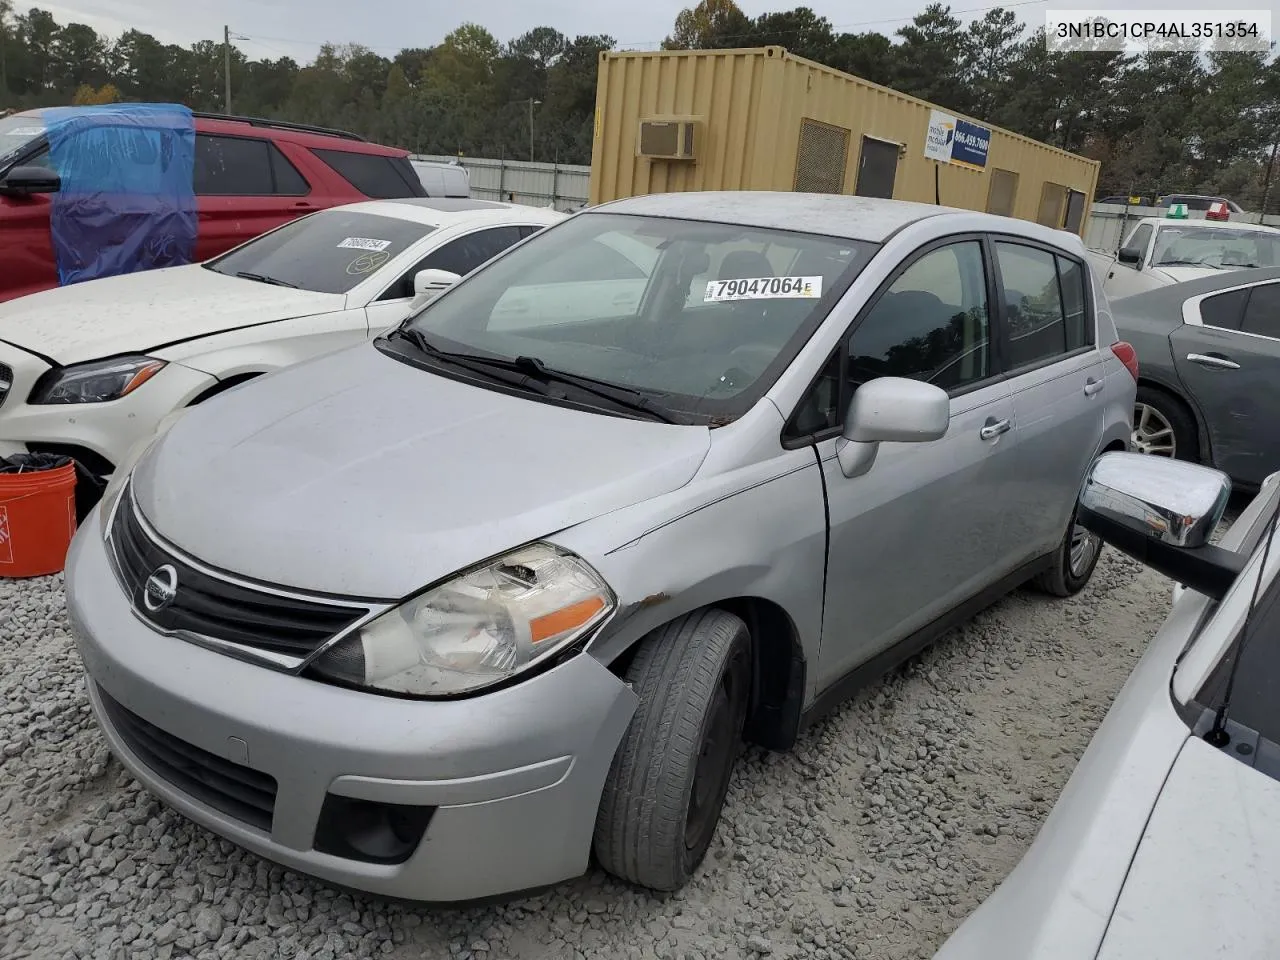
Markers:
point(6, 382)
point(237, 791)
point(210, 606)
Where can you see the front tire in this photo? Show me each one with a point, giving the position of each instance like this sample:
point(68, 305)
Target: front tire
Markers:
point(666, 788)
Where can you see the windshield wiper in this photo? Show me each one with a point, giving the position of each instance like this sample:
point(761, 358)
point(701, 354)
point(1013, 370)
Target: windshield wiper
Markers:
point(632, 399)
point(262, 278)
point(1187, 263)
point(476, 364)
point(534, 375)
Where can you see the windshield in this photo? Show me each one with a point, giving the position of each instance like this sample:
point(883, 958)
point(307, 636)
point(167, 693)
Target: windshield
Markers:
point(327, 252)
point(1220, 247)
point(19, 130)
point(700, 316)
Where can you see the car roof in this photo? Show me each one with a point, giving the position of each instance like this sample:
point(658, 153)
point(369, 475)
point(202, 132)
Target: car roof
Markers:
point(1213, 224)
point(837, 215)
point(445, 211)
point(1166, 302)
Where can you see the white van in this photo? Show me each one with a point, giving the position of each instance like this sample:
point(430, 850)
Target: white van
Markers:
point(443, 179)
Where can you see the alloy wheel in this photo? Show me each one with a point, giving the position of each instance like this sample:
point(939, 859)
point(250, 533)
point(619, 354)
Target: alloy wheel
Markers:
point(1152, 432)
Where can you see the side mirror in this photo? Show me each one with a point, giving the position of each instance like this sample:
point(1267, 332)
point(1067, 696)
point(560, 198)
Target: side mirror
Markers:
point(24, 181)
point(429, 283)
point(894, 410)
point(1162, 512)
point(1130, 255)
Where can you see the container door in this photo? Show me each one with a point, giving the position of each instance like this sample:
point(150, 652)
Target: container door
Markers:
point(877, 168)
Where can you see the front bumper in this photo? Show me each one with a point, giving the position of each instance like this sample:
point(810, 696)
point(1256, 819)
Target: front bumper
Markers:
point(108, 430)
point(515, 776)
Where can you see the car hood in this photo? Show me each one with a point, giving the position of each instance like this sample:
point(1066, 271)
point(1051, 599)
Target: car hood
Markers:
point(1179, 274)
point(1207, 872)
point(359, 475)
point(137, 312)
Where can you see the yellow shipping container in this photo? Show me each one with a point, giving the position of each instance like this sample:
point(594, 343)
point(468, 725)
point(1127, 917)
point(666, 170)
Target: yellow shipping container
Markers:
point(763, 119)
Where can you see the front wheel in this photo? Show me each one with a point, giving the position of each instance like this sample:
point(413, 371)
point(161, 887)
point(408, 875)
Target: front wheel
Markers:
point(666, 788)
point(1162, 427)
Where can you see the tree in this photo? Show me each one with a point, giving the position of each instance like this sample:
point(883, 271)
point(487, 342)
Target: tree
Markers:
point(78, 57)
point(930, 58)
point(990, 50)
point(86, 95)
point(711, 24)
point(801, 31)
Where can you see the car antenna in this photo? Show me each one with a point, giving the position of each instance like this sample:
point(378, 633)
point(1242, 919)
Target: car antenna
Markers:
point(1217, 735)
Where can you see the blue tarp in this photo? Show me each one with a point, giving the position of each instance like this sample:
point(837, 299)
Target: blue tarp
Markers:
point(126, 202)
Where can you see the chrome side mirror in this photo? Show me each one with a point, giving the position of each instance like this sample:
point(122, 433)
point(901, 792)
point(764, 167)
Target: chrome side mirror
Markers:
point(890, 409)
point(1162, 512)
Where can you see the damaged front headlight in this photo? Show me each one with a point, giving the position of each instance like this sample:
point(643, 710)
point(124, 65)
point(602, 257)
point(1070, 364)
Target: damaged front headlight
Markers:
point(476, 630)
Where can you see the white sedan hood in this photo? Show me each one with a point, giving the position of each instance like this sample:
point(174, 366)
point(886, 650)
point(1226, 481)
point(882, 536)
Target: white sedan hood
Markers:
point(137, 312)
point(1206, 877)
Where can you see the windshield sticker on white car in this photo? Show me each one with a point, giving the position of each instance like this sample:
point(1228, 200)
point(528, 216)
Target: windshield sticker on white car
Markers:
point(364, 243)
point(26, 131)
point(764, 288)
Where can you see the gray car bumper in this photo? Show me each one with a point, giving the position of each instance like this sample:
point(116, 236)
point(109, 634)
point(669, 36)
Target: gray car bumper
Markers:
point(515, 776)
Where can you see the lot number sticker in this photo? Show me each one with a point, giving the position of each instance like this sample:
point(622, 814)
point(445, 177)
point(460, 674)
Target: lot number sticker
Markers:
point(364, 243)
point(764, 288)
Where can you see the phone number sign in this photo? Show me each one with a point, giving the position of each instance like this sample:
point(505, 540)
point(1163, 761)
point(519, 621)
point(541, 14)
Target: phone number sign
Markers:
point(954, 140)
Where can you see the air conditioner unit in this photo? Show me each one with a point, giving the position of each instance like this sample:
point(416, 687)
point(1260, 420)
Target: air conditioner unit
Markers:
point(668, 139)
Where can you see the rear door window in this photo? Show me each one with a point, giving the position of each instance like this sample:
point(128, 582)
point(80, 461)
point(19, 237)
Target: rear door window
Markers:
point(232, 167)
point(1033, 308)
point(374, 175)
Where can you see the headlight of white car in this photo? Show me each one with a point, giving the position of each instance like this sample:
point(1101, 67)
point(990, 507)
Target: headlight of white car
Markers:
point(95, 382)
point(476, 630)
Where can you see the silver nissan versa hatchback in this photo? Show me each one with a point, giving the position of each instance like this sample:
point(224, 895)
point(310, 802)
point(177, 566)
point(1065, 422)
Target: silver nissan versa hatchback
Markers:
point(436, 616)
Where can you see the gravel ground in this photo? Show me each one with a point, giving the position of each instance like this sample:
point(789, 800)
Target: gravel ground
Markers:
point(874, 838)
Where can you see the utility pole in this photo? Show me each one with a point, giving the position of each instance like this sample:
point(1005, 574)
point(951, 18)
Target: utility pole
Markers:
point(532, 102)
point(1266, 183)
point(226, 64)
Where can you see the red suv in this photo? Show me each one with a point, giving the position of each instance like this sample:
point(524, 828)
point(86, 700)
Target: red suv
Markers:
point(249, 176)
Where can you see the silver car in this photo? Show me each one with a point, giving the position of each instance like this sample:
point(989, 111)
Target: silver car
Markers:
point(436, 616)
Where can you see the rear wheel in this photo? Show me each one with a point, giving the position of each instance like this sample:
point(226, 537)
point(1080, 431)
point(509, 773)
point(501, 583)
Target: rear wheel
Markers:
point(1073, 563)
point(666, 789)
point(1162, 427)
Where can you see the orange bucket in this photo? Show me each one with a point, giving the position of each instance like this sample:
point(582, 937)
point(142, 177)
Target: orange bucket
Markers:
point(37, 521)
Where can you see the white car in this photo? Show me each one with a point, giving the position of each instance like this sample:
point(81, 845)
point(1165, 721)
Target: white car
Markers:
point(90, 369)
point(1160, 251)
point(1165, 842)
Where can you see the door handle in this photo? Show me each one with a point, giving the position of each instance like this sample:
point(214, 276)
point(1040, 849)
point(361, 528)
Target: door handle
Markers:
point(1092, 386)
point(1213, 360)
point(993, 428)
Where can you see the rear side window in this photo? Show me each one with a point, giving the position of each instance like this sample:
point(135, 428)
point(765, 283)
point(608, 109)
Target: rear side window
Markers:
point(1223, 310)
point(1262, 315)
point(383, 178)
point(1032, 303)
point(1079, 329)
point(243, 167)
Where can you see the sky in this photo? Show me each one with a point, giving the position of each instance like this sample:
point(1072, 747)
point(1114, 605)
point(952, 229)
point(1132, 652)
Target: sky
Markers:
point(296, 28)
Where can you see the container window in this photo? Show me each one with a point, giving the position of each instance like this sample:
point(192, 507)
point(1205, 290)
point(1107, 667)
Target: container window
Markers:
point(821, 158)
